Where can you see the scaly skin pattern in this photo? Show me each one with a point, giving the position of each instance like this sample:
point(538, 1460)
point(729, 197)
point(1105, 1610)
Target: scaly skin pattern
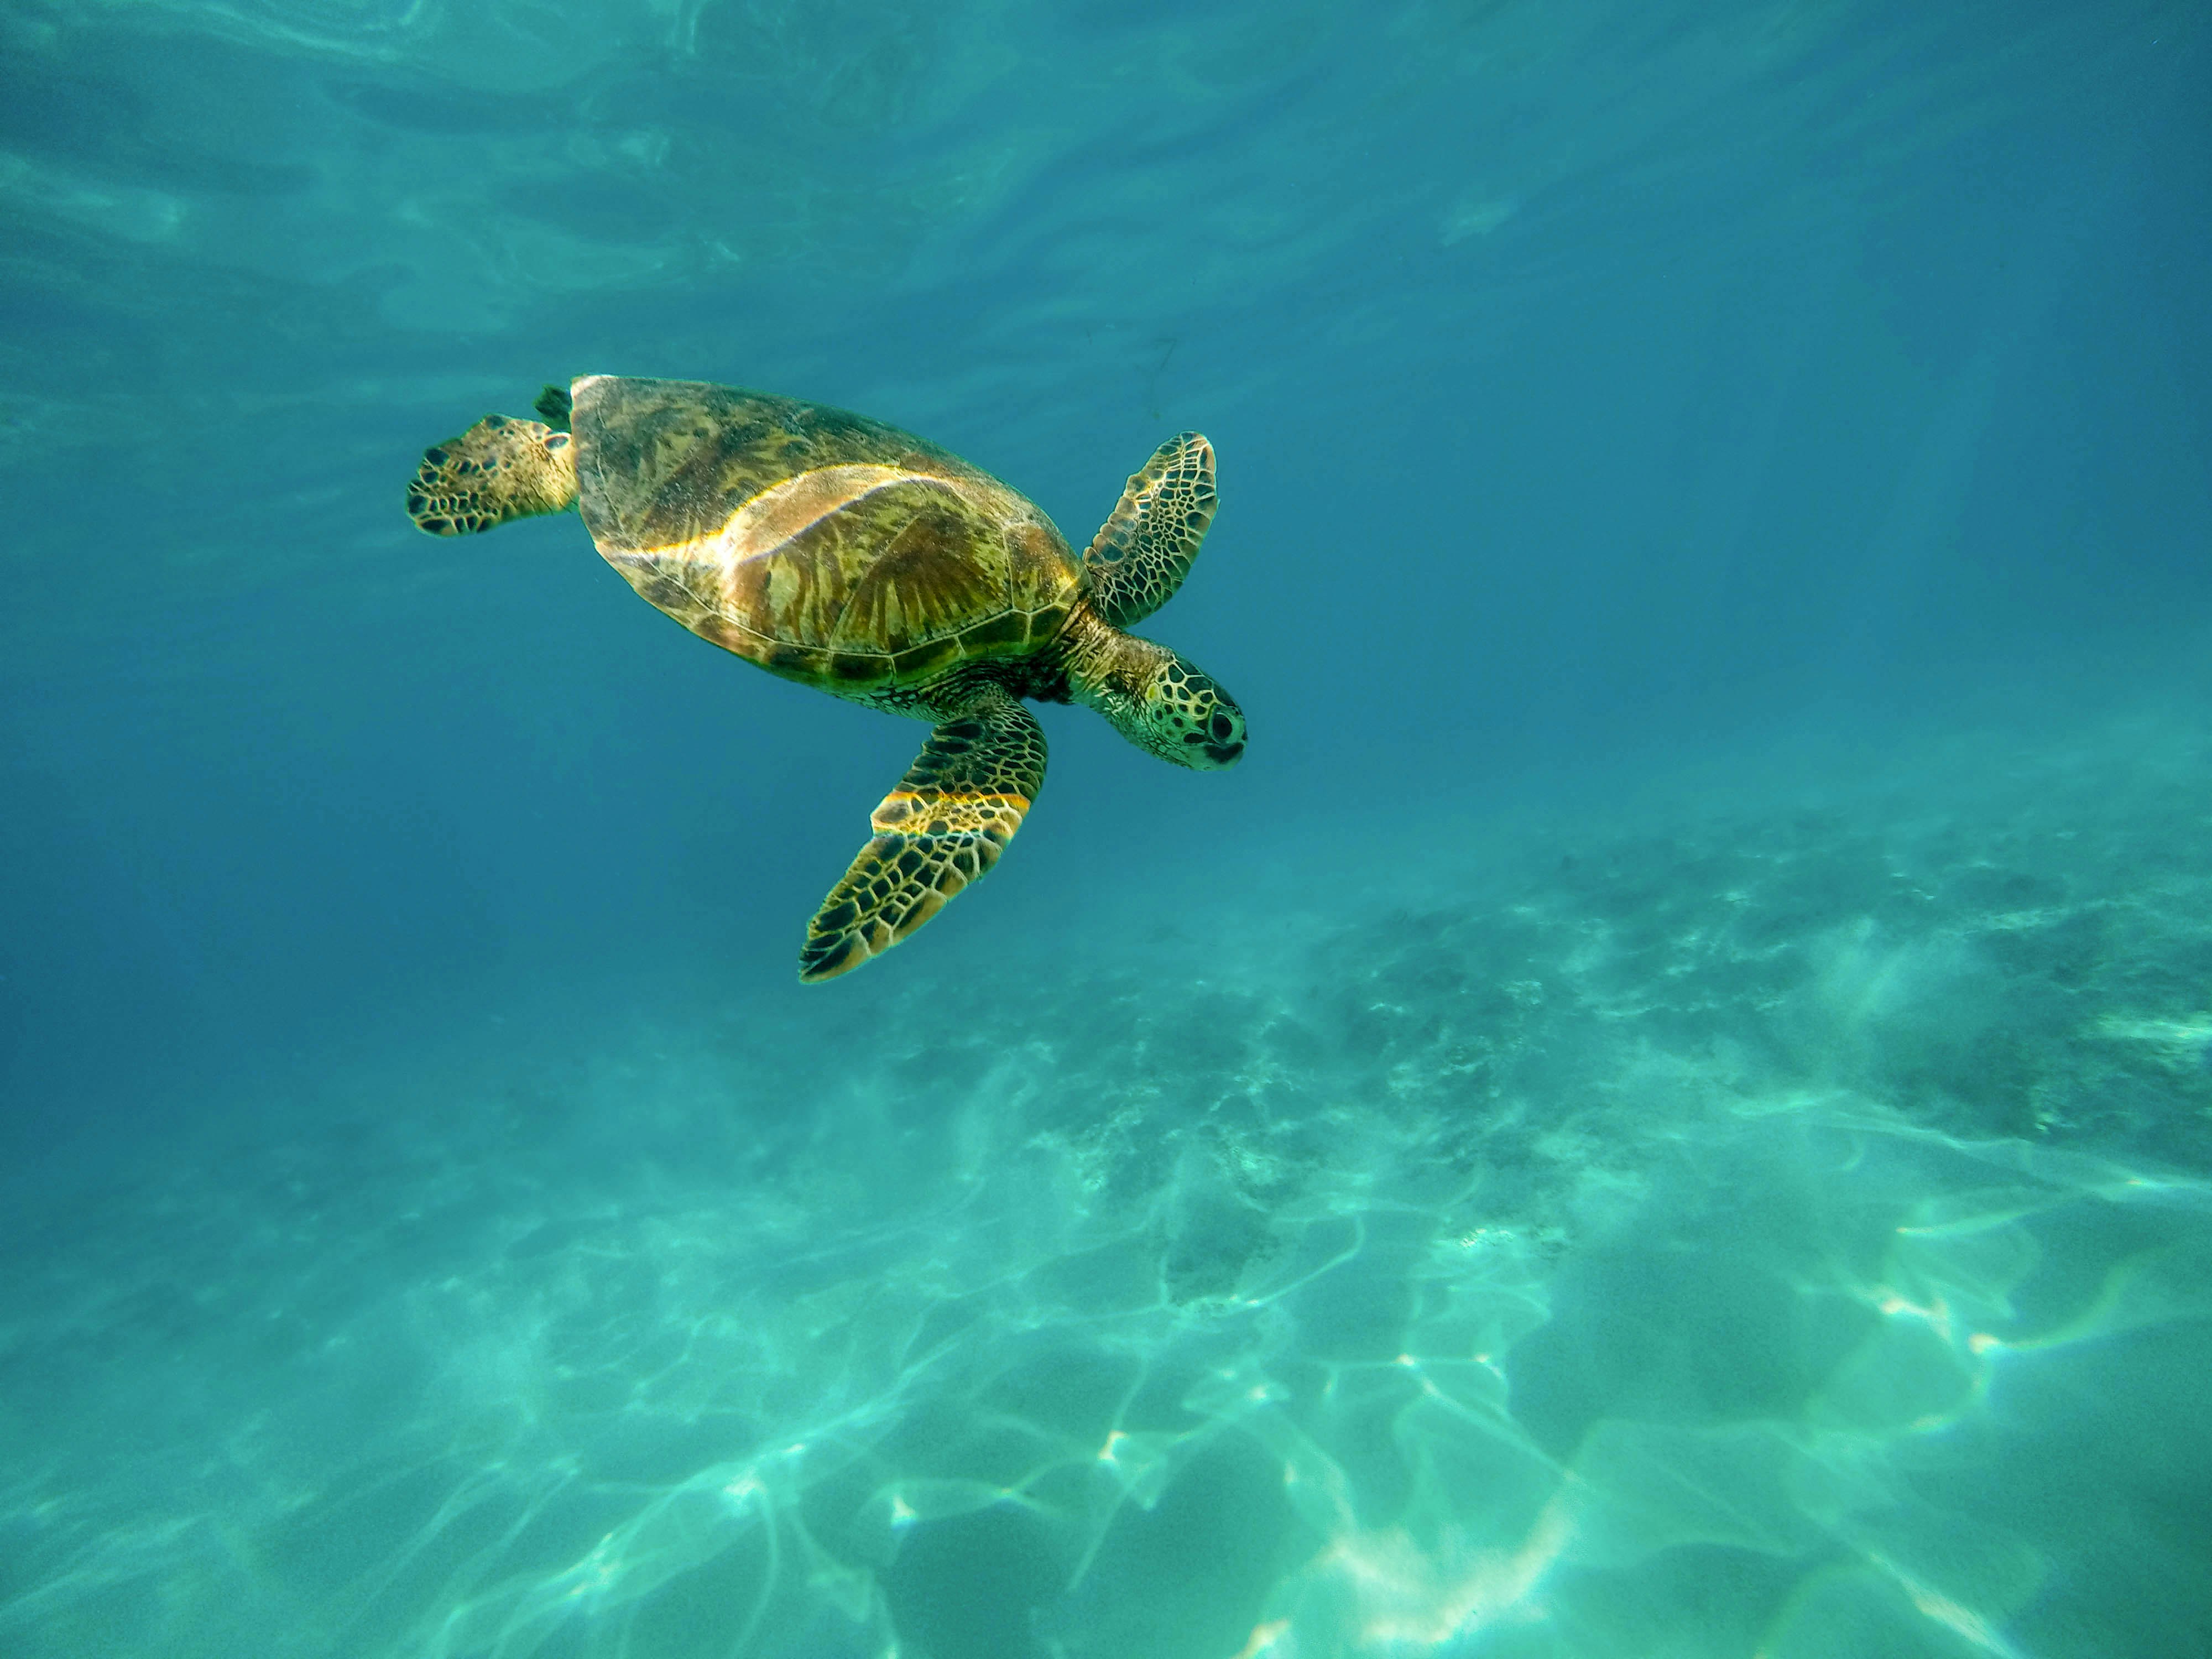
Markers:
point(842, 553)
point(1144, 549)
point(499, 468)
point(943, 827)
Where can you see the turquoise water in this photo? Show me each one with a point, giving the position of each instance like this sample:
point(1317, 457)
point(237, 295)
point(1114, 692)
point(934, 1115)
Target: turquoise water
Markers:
point(1663, 1110)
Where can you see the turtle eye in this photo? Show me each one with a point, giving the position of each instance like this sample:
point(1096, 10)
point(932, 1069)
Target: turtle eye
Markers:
point(1222, 727)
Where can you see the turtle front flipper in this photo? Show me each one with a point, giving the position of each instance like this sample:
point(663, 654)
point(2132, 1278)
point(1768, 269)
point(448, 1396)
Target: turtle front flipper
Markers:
point(499, 468)
point(1143, 552)
point(942, 828)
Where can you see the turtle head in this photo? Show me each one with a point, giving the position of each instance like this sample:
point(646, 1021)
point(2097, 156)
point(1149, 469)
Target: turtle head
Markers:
point(1189, 719)
point(1161, 704)
point(499, 468)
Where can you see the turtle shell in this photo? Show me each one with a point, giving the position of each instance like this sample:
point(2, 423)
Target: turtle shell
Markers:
point(826, 547)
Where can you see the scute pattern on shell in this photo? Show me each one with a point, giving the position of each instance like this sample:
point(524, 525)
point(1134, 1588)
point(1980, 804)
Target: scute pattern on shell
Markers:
point(824, 546)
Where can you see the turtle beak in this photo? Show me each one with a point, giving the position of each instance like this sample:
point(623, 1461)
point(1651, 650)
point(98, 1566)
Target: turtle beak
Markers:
point(1224, 736)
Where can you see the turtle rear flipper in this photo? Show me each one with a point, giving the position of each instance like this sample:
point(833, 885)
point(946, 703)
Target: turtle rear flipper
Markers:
point(941, 829)
point(499, 468)
point(1143, 552)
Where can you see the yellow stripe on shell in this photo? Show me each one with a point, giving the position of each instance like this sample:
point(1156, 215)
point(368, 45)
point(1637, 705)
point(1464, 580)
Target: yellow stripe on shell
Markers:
point(789, 509)
point(785, 511)
point(710, 570)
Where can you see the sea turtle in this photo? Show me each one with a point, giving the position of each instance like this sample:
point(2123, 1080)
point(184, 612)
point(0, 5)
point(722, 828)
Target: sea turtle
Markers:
point(842, 553)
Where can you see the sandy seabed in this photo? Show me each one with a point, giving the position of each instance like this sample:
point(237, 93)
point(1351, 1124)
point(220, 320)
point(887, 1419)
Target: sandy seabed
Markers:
point(1761, 1224)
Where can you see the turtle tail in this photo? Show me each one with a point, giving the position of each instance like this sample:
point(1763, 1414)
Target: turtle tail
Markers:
point(499, 468)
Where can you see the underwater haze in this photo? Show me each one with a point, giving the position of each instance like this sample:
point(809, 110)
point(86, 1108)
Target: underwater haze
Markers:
point(1662, 1112)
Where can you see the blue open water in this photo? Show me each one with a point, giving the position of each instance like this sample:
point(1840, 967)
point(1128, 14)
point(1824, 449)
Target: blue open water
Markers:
point(1664, 1111)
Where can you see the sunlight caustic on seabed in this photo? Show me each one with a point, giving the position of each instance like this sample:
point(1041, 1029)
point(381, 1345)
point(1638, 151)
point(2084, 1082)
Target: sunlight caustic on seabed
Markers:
point(1298, 1382)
